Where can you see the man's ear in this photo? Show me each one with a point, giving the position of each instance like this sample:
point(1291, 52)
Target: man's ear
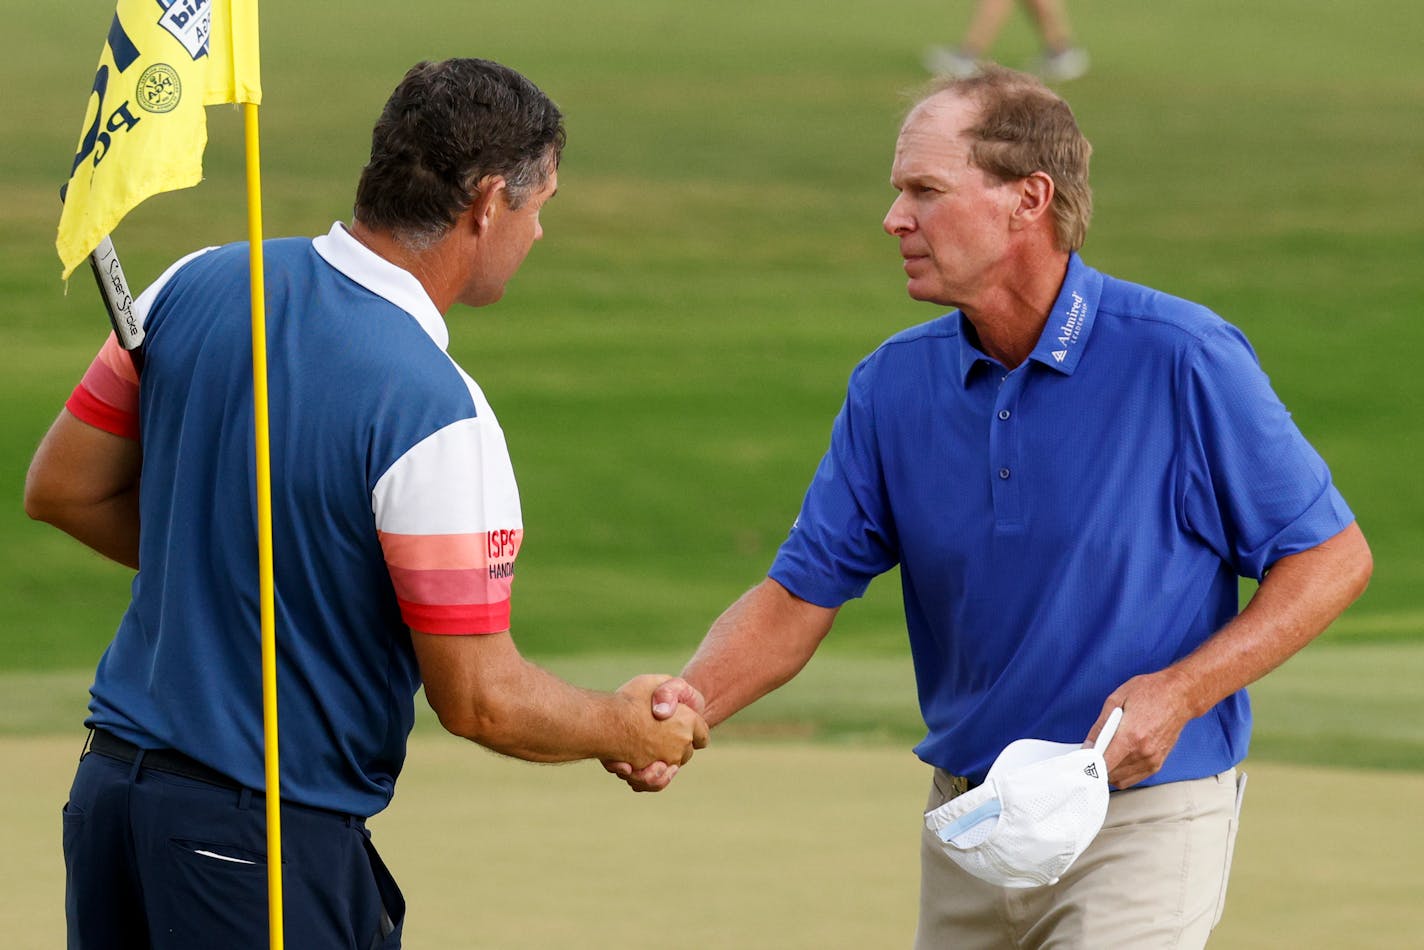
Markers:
point(1035, 194)
point(490, 195)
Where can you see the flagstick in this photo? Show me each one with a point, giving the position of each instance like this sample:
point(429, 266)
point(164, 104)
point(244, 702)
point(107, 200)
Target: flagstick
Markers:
point(264, 531)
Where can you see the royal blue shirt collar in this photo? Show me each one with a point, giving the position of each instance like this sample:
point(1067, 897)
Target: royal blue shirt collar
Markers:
point(1065, 333)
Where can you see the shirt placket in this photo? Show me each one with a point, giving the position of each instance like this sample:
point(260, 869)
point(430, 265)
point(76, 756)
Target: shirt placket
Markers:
point(1004, 475)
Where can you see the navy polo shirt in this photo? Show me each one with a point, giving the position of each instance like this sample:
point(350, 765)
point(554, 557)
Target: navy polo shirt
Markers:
point(1064, 526)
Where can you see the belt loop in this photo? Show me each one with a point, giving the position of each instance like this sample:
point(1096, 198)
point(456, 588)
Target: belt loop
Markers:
point(244, 799)
point(88, 741)
point(137, 765)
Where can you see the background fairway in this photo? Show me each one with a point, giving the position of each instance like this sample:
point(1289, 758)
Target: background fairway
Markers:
point(764, 846)
point(668, 362)
point(667, 365)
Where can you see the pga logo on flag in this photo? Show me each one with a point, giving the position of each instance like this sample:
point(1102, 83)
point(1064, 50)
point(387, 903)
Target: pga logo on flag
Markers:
point(145, 127)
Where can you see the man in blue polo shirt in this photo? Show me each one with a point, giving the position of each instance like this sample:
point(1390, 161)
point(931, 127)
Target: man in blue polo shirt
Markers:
point(1072, 472)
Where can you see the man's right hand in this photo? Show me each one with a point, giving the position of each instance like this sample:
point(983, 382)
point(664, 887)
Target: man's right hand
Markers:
point(670, 698)
point(668, 730)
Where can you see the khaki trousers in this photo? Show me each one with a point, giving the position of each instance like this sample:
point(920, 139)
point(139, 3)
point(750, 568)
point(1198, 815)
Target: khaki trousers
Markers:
point(1155, 877)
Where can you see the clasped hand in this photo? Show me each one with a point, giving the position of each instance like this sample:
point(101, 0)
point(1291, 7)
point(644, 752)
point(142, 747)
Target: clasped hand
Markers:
point(673, 702)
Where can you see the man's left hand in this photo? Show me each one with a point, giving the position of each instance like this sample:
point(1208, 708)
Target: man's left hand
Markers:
point(1154, 712)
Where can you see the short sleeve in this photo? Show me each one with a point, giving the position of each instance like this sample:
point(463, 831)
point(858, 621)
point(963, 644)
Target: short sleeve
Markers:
point(1253, 488)
point(843, 537)
point(107, 395)
point(448, 517)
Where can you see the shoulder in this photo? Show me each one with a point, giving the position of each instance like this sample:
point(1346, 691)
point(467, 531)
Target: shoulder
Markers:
point(1148, 318)
point(912, 345)
point(929, 333)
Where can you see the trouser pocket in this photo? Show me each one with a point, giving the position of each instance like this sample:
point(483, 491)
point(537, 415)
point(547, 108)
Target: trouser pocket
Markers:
point(1230, 847)
point(388, 936)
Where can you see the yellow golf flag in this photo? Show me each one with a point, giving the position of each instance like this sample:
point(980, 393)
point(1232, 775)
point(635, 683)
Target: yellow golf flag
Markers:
point(145, 127)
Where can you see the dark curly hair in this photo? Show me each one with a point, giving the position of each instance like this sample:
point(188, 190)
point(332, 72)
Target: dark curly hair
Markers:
point(446, 126)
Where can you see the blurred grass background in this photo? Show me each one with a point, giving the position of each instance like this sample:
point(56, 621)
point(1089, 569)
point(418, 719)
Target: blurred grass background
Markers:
point(667, 364)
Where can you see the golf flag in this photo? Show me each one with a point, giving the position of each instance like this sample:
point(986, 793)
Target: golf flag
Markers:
point(145, 127)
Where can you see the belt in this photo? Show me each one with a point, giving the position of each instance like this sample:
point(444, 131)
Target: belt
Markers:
point(950, 785)
point(160, 760)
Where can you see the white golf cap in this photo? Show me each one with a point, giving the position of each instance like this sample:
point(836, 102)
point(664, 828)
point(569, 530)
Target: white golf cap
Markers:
point(1039, 808)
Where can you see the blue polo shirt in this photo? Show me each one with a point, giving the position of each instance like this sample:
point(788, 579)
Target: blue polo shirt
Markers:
point(1064, 526)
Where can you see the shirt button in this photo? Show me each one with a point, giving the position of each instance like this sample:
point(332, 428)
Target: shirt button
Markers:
point(1004, 413)
point(1003, 473)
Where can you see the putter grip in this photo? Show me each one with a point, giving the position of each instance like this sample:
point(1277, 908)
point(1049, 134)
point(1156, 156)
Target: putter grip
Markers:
point(114, 288)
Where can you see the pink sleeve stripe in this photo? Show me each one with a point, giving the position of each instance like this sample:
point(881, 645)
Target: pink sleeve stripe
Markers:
point(110, 379)
point(475, 587)
point(459, 620)
point(474, 551)
point(87, 408)
point(117, 359)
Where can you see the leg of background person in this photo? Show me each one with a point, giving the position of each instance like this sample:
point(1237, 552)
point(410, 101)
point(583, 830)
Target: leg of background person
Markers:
point(1051, 18)
point(1061, 60)
point(984, 27)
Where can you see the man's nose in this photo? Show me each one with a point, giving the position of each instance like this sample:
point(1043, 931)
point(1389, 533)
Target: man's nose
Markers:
point(896, 220)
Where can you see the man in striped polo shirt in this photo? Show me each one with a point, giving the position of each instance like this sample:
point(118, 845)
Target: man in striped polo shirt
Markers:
point(396, 527)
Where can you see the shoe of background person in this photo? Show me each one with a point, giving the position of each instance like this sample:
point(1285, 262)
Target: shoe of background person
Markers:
point(1063, 65)
point(956, 64)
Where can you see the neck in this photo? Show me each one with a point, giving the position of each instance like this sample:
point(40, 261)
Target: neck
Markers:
point(1009, 317)
point(429, 266)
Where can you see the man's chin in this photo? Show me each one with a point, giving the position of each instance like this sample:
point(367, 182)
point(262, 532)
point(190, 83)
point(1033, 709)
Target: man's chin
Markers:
point(924, 294)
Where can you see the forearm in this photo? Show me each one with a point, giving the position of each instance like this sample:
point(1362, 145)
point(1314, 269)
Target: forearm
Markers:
point(1297, 600)
point(109, 526)
point(484, 690)
point(85, 481)
point(531, 714)
point(758, 644)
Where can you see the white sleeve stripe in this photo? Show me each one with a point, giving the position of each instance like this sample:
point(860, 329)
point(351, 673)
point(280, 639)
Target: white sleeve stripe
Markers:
point(457, 480)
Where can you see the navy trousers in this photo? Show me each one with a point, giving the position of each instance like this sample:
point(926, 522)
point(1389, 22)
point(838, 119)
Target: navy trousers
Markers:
point(156, 861)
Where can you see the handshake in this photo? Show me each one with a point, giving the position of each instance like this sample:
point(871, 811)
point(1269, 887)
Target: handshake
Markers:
point(668, 726)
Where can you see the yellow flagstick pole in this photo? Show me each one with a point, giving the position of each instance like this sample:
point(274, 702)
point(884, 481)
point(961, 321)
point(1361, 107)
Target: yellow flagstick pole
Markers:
point(266, 585)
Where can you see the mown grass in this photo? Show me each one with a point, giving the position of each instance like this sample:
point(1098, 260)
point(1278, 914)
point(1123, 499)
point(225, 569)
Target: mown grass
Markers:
point(667, 364)
point(757, 846)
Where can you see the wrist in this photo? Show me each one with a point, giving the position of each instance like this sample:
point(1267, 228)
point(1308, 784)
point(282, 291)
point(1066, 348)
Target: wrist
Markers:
point(1190, 697)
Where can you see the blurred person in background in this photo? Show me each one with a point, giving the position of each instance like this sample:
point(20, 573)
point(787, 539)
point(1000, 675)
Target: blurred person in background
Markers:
point(1060, 60)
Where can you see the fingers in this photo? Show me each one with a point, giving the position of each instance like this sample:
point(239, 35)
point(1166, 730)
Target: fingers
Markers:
point(654, 778)
point(675, 692)
point(1153, 716)
point(665, 693)
point(690, 730)
point(675, 730)
point(701, 734)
